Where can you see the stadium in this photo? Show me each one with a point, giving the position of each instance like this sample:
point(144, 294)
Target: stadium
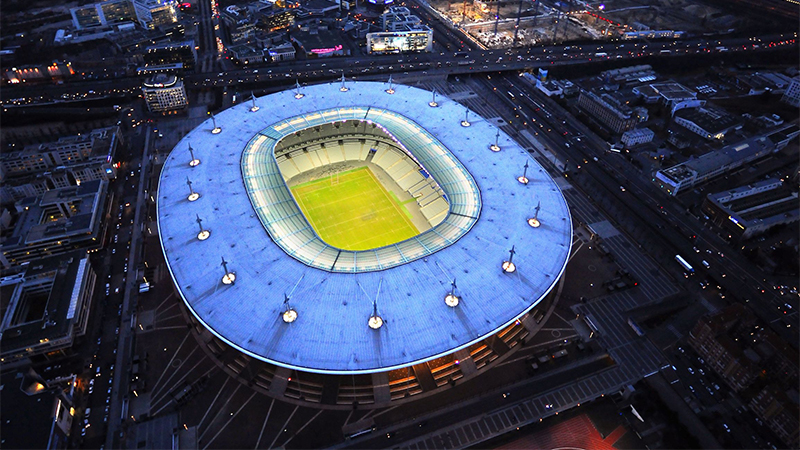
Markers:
point(359, 243)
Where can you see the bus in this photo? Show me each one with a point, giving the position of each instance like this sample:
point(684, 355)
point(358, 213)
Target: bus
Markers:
point(688, 267)
point(635, 327)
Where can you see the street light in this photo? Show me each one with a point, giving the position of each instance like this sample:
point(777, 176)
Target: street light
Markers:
point(297, 94)
point(343, 88)
point(465, 122)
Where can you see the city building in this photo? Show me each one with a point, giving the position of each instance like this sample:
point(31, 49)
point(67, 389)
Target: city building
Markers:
point(246, 54)
point(46, 307)
point(106, 13)
point(331, 330)
point(632, 74)
point(384, 42)
point(98, 145)
point(274, 18)
point(164, 93)
point(676, 96)
point(66, 162)
point(792, 94)
point(37, 413)
point(779, 413)
point(239, 24)
point(609, 111)
point(379, 5)
point(183, 52)
point(402, 32)
point(707, 122)
point(319, 42)
point(653, 34)
point(283, 51)
point(760, 82)
point(176, 68)
point(698, 170)
point(399, 18)
point(715, 340)
point(156, 13)
point(750, 210)
point(58, 221)
point(57, 70)
point(637, 136)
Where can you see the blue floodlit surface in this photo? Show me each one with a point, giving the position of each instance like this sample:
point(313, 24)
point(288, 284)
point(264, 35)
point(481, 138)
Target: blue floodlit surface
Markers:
point(331, 334)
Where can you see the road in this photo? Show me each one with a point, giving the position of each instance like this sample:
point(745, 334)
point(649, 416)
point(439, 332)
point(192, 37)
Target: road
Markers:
point(431, 64)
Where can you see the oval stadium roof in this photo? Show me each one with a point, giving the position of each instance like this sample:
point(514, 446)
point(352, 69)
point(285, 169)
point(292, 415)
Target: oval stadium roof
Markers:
point(330, 334)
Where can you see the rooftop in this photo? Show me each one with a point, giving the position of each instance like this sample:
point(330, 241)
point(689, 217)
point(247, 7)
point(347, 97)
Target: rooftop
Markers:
point(330, 334)
point(43, 218)
point(42, 305)
point(712, 120)
point(673, 92)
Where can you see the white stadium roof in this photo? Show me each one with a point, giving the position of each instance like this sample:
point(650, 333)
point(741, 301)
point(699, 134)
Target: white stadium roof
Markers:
point(330, 334)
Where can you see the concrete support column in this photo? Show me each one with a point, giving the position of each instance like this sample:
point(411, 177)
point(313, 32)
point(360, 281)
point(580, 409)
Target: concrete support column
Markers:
point(279, 381)
point(380, 387)
point(465, 362)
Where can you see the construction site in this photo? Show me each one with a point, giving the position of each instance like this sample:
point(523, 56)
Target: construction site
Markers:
point(513, 23)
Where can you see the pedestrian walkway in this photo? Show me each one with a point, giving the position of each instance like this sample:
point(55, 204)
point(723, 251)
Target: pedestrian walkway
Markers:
point(482, 428)
point(577, 432)
point(653, 283)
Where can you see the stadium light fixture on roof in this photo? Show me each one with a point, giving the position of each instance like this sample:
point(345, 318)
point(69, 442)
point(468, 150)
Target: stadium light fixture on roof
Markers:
point(508, 266)
point(253, 108)
point(375, 321)
point(433, 103)
point(534, 221)
point(229, 277)
point(192, 194)
point(343, 88)
point(451, 299)
point(203, 234)
point(524, 178)
point(297, 94)
point(496, 146)
point(216, 129)
point(289, 314)
point(465, 122)
point(194, 161)
point(391, 86)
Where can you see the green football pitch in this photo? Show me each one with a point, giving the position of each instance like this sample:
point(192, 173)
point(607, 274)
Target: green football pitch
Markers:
point(353, 211)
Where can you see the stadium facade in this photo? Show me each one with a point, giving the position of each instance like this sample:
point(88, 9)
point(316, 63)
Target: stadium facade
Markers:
point(295, 317)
